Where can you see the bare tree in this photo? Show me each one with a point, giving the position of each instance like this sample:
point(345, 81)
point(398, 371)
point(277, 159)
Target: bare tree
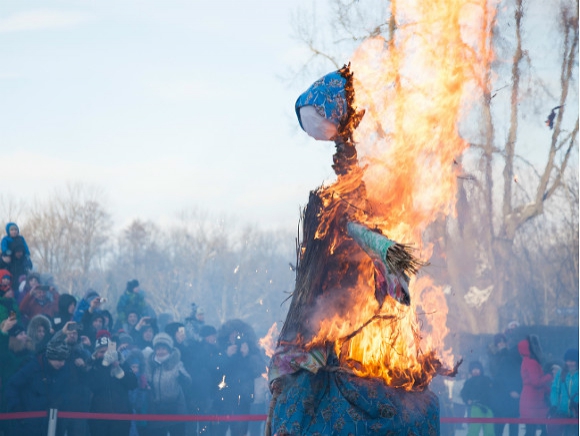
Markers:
point(68, 235)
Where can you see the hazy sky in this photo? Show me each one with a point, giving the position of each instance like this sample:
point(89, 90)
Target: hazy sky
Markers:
point(171, 105)
point(166, 105)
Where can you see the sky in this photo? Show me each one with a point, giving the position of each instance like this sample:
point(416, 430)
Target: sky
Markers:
point(174, 105)
point(164, 105)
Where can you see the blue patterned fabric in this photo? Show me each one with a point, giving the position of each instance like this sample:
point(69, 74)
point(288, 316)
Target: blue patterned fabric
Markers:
point(337, 403)
point(328, 96)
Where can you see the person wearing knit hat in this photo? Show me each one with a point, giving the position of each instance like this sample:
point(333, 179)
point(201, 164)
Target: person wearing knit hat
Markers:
point(163, 339)
point(43, 383)
point(564, 394)
point(57, 351)
point(169, 381)
point(102, 340)
point(110, 380)
point(6, 283)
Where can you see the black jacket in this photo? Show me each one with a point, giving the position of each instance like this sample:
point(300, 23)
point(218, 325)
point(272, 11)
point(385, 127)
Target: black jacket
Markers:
point(110, 394)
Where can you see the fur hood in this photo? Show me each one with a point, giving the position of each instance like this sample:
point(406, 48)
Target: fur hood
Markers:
point(37, 321)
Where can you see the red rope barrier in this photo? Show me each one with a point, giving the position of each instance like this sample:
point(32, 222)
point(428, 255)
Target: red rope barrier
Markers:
point(233, 418)
point(135, 417)
point(23, 415)
point(553, 421)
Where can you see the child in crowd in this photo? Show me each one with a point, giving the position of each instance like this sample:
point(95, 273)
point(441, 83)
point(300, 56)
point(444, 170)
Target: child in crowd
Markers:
point(5, 282)
point(476, 394)
point(13, 240)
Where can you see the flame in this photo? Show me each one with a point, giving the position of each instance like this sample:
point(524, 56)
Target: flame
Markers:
point(268, 344)
point(415, 90)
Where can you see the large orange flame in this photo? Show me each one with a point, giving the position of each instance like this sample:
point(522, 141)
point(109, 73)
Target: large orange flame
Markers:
point(415, 90)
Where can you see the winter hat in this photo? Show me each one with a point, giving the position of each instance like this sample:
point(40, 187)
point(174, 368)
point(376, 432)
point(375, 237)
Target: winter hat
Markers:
point(64, 301)
point(103, 338)
point(57, 350)
point(200, 311)
point(5, 273)
point(172, 328)
point(124, 338)
point(571, 355)
point(132, 284)
point(476, 365)
point(207, 330)
point(90, 294)
point(16, 330)
point(135, 357)
point(163, 339)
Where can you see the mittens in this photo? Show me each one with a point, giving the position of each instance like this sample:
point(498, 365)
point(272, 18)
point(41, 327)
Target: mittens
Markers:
point(110, 357)
point(117, 371)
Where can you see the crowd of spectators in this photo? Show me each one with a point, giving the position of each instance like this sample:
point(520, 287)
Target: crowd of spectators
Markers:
point(57, 351)
point(522, 384)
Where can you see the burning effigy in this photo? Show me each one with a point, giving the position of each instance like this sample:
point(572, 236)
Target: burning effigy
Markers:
point(352, 356)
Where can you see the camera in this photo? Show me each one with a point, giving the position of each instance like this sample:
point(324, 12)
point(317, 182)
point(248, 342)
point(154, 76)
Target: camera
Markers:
point(239, 339)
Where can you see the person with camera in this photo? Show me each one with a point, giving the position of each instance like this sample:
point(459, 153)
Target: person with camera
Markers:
point(42, 300)
point(239, 365)
point(93, 319)
point(564, 395)
point(110, 381)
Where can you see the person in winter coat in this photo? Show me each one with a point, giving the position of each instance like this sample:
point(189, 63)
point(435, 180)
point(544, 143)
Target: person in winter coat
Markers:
point(6, 282)
point(5, 259)
point(20, 264)
point(207, 375)
point(131, 298)
point(138, 397)
point(41, 300)
point(168, 380)
point(536, 384)
point(476, 394)
point(12, 236)
point(93, 319)
point(8, 306)
point(84, 304)
point(144, 335)
point(42, 384)
point(66, 308)
point(564, 395)
point(507, 383)
point(110, 382)
point(79, 362)
point(240, 365)
point(14, 354)
point(40, 332)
